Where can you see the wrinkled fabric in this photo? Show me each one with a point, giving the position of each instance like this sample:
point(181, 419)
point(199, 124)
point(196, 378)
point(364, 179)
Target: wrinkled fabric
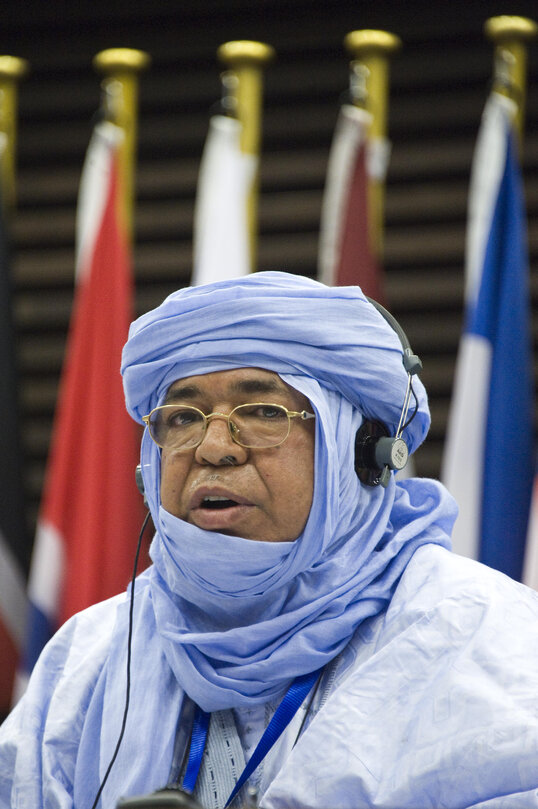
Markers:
point(239, 619)
point(433, 705)
point(435, 702)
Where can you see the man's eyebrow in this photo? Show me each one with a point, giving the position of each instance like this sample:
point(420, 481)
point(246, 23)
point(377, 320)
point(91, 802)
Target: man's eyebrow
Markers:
point(182, 393)
point(258, 386)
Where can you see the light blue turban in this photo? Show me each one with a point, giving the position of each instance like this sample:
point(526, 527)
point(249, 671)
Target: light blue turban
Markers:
point(237, 618)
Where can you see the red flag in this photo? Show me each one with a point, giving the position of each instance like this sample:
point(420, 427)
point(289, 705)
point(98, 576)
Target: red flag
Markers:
point(91, 510)
point(346, 254)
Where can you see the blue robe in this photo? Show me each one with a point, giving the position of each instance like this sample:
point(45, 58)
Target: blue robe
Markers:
point(434, 704)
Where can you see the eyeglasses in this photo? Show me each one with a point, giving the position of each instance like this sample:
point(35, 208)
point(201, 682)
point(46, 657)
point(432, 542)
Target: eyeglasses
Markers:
point(257, 426)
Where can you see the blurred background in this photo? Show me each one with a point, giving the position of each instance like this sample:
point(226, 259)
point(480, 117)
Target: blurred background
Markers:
point(439, 81)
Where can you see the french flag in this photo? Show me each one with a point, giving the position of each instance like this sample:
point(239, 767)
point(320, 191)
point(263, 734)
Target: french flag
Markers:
point(91, 511)
point(488, 462)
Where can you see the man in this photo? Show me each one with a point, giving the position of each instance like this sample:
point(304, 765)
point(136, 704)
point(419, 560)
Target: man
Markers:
point(295, 620)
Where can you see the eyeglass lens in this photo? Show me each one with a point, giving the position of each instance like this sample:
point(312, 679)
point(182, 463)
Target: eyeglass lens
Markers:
point(251, 425)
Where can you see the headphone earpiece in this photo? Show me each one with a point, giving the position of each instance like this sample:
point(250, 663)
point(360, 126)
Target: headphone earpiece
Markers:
point(140, 483)
point(377, 453)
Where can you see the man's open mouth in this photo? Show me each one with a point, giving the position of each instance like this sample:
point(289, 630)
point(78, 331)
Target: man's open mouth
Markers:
point(217, 503)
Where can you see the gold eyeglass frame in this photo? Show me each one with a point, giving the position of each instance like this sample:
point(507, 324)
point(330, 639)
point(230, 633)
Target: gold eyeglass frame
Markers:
point(304, 415)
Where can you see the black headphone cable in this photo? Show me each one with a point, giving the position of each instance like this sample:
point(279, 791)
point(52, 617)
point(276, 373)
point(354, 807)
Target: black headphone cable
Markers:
point(129, 645)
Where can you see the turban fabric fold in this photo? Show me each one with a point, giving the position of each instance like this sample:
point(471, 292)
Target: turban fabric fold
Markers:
point(281, 322)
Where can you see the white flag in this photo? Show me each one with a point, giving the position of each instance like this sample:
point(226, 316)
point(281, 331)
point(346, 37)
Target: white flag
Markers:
point(221, 234)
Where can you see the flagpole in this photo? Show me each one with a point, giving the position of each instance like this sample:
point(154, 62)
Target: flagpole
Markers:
point(12, 69)
point(371, 50)
point(245, 61)
point(121, 67)
point(510, 35)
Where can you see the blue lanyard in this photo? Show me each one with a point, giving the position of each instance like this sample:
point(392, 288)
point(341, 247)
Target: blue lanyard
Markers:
point(292, 701)
point(196, 752)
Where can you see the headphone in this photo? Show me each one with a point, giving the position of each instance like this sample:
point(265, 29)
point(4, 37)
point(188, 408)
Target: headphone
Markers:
point(140, 484)
point(377, 453)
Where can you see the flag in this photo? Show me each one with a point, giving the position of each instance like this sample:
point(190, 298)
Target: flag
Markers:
point(226, 180)
point(488, 461)
point(346, 254)
point(14, 545)
point(91, 512)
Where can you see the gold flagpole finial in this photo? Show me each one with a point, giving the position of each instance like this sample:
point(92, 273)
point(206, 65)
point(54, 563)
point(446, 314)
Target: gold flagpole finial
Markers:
point(510, 36)
point(121, 67)
point(12, 69)
point(370, 50)
point(244, 61)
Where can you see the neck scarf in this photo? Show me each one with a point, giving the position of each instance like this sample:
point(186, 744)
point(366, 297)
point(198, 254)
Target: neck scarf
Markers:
point(237, 619)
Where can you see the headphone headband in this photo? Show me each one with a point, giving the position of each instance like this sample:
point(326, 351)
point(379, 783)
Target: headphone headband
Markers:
point(377, 453)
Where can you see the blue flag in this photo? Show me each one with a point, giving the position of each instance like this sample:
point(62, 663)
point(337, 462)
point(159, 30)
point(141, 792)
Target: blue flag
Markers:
point(489, 456)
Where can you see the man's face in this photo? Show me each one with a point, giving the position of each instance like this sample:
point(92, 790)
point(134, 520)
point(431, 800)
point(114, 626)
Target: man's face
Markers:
point(270, 490)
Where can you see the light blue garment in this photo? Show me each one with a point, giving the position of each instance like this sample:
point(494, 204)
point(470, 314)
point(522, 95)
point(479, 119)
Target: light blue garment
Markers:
point(435, 702)
point(434, 705)
point(238, 619)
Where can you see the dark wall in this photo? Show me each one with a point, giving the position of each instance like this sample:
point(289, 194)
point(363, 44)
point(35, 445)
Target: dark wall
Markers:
point(439, 83)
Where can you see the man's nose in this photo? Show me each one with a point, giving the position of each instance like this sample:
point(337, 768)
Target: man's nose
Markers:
point(217, 447)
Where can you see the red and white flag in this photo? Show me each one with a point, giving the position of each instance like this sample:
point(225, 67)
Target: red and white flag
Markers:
point(346, 252)
point(91, 511)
